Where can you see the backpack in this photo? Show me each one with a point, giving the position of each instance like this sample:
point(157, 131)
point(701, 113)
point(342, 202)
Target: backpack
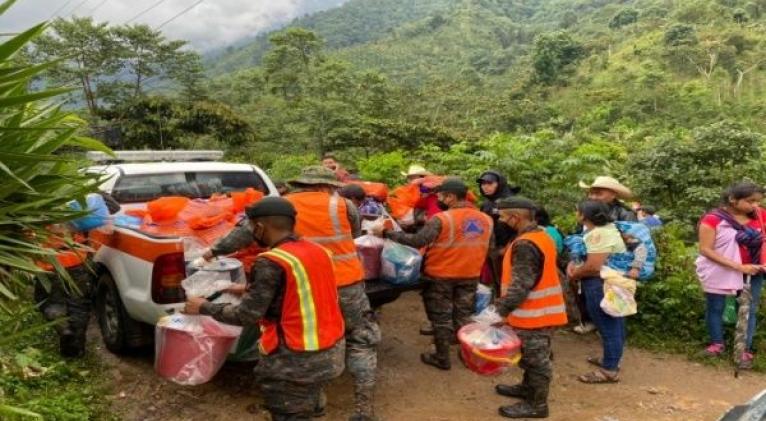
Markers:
point(620, 261)
point(623, 261)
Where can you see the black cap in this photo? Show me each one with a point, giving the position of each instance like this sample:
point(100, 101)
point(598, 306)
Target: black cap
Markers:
point(489, 178)
point(651, 210)
point(516, 202)
point(271, 206)
point(353, 191)
point(452, 185)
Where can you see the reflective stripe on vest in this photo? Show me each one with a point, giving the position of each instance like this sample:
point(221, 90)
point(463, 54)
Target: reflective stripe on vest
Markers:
point(544, 306)
point(308, 312)
point(323, 219)
point(310, 318)
point(461, 248)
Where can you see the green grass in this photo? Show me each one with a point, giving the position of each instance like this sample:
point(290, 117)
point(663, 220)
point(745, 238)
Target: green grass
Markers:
point(33, 377)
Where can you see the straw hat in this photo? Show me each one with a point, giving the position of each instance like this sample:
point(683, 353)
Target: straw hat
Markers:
point(416, 170)
point(609, 183)
point(316, 175)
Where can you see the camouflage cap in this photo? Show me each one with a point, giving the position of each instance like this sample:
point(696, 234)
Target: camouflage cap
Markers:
point(316, 175)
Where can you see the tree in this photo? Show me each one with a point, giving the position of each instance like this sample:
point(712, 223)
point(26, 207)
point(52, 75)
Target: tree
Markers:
point(114, 64)
point(624, 17)
point(684, 174)
point(553, 56)
point(680, 34)
point(294, 53)
point(89, 51)
point(157, 122)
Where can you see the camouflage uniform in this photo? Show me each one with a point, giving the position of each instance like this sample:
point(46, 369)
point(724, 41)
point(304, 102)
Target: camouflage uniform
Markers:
point(536, 344)
point(291, 382)
point(72, 300)
point(362, 338)
point(449, 304)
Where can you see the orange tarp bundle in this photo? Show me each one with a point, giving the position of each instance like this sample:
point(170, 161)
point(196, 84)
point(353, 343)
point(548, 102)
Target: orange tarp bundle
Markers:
point(403, 200)
point(378, 191)
point(207, 220)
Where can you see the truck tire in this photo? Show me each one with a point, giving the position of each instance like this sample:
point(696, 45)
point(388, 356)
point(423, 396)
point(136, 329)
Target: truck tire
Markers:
point(118, 329)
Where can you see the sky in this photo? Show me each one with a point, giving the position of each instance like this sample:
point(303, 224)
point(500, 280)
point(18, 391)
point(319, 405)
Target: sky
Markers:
point(211, 24)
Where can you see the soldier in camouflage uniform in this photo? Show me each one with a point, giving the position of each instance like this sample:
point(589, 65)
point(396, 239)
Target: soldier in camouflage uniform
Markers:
point(449, 298)
point(362, 330)
point(72, 300)
point(291, 382)
point(532, 275)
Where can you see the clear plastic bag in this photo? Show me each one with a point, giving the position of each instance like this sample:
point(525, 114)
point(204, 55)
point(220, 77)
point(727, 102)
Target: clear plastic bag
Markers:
point(483, 298)
point(204, 284)
point(370, 248)
point(189, 350)
point(487, 349)
point(488, 316)
point(400, 265)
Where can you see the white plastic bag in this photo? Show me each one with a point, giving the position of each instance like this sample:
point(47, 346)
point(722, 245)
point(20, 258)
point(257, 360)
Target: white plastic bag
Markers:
point(189, 350)
point(400, 265)
point(204, 284)
point(488, 316)
point(619, 294)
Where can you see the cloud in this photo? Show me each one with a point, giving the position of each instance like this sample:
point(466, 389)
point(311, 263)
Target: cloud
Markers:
point(213, 23)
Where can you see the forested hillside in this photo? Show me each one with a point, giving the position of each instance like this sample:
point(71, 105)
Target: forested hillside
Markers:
point(607, 80)
point(356, 22)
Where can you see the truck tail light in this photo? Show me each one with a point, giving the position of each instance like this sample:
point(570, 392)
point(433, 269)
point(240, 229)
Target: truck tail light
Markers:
point(168, 272)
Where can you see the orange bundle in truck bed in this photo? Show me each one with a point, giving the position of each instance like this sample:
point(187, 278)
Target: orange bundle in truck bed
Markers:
point(207, 220)
point(377, 191)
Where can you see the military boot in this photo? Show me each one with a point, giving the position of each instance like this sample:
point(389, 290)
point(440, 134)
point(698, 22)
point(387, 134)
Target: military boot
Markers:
point(363, 407)
point(440, 359)
point(521, 390)
point(321, 406)
point(513, 391)
point(524, 409)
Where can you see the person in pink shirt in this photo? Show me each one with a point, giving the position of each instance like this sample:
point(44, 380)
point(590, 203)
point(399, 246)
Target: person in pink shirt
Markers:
point(331, 163)
point(730, 239)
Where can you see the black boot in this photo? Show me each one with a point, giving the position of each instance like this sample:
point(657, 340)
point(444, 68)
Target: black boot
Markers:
point(524, 410)
point(513, 391)
point(441, 358)
point(363, 404)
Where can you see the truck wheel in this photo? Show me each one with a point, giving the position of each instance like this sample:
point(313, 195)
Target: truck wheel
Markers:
point(111, 315)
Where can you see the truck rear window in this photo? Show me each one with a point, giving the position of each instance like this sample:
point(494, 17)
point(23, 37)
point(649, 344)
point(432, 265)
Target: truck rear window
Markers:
point(194, 185)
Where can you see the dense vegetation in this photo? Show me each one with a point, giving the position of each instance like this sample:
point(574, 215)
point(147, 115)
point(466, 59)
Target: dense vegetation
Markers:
point(667, 96)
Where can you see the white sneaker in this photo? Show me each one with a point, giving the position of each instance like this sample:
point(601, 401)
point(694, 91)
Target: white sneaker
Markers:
point(584, 328)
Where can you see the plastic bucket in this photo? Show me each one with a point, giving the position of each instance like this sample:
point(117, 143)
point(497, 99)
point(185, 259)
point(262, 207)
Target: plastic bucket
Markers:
point(192, 358)
point(488, 361)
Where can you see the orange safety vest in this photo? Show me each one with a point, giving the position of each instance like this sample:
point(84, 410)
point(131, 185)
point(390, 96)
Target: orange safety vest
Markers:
point(322, 218)
point(66, 258)
point(544, 306)
point(311, 319)
point(461, 248)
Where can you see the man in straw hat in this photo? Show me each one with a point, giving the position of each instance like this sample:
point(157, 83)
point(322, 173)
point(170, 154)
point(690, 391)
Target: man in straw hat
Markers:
point(415, 172)
point(326, 218)
point(610, 192)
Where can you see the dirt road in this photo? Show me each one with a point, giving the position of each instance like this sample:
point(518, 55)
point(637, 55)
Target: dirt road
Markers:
point(653, 387)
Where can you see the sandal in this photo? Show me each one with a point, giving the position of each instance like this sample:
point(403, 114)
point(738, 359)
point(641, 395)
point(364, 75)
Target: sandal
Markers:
point(594, 361)
point(599, 377)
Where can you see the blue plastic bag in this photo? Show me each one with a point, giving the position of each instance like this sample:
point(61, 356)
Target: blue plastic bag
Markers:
point(483, 298)
point(98, 217)
point(400, 265)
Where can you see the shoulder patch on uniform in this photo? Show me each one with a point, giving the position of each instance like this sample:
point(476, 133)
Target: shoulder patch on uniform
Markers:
point(473, 228)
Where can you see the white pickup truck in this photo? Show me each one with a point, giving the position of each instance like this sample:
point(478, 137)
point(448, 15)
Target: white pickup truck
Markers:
point(140, 274)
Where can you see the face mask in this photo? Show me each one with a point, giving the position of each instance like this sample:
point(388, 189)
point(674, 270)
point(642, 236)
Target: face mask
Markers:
point(443, 206)
point(258, 237)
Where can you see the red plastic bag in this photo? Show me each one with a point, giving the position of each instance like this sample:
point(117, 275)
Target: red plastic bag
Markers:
point(189, 350)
